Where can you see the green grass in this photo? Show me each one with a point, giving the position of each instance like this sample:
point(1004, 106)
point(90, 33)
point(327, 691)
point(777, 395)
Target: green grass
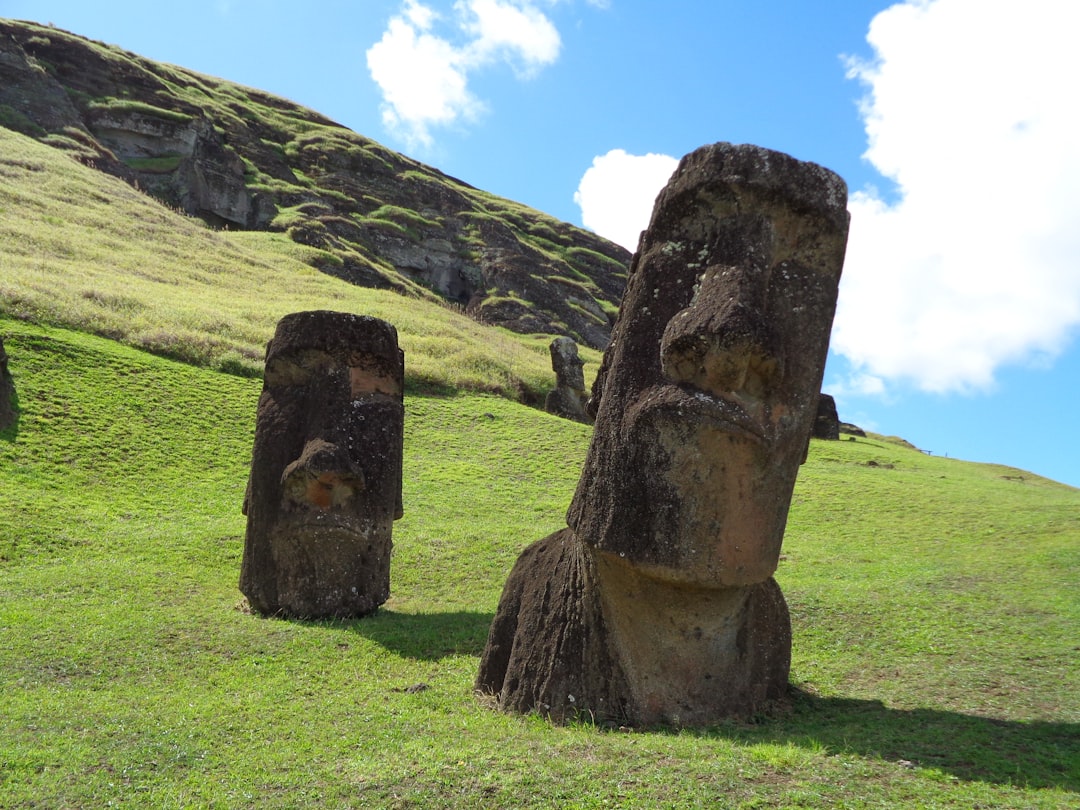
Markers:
point(933, 604)
point(124, 105)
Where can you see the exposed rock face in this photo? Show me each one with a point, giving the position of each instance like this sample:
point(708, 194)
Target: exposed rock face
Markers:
point(183, 161)
point(7, 392)
point(325, 485)
point(827, 423)
point(657, 604)
point(568, 399)
point(241, 158)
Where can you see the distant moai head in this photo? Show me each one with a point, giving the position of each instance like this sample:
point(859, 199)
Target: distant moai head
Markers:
point(325, 483)
point(708, 391)
point(827, 423)
point(566, 364)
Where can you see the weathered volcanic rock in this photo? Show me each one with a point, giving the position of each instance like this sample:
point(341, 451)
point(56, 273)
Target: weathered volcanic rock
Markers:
point(325, 485)
point(657, 604)
point(568, 398)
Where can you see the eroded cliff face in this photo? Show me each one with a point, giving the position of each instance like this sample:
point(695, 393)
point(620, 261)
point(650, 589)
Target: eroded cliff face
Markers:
point(241, 158)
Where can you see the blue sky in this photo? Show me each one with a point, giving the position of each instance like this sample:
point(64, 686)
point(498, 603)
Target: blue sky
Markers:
point(953, 121)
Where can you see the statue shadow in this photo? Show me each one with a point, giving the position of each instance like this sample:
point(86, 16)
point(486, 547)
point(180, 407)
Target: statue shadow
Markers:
point(973, 749)
point(9, 410)
point(426, 636)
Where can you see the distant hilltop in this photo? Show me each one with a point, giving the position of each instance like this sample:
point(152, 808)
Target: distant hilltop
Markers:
point(244, 159)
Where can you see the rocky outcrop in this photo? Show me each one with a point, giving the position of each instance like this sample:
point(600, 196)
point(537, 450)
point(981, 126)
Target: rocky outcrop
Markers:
point(657, 603)
point(325, 484)
point(184, 162)
point(240, 158)
point(568, 398)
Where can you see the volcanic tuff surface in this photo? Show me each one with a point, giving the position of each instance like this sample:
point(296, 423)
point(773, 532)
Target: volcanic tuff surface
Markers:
point(242, 158)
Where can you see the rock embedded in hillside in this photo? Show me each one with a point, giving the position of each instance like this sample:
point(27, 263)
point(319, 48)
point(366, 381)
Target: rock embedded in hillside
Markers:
point(7, 392)
point(657, 604)
point(325, 483)
point(568, 398)
point(827, 422)
point(183, 160)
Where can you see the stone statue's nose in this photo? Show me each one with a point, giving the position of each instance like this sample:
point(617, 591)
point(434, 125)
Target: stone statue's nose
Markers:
point(722, 342)
point(322, 477)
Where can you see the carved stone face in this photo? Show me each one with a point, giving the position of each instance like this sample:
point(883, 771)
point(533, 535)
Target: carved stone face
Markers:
point(566, 364)
point(710, 387)
point(325, 482)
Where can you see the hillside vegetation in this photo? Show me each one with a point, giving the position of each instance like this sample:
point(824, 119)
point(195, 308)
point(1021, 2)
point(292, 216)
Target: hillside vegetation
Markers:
point(83, 249)
point(241, 158)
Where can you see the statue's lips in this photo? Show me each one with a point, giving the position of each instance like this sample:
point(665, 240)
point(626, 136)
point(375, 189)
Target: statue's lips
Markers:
point(693, 404)
point(324, 525)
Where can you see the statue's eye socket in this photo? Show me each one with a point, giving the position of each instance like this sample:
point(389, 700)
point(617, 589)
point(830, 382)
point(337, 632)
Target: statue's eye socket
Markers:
point(297, 366)
point(282, 371)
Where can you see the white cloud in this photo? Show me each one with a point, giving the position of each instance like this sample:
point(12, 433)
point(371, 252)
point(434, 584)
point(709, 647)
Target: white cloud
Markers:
point(424, 76)
point(616, 194)
point(503, 30)
point(971, 109)
point(423, 81)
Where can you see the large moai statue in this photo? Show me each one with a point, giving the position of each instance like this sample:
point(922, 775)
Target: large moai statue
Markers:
point(657, 604)
point(7, 392)
point(325, 485)
point(568, 399)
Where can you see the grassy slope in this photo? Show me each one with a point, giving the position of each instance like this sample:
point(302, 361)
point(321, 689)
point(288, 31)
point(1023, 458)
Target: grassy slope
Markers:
point(933, 601)
point(934, 622)
point(81, 249)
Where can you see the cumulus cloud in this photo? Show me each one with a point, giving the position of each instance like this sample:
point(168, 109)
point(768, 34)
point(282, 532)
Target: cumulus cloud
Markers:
point(520, 35)
point(616, 194)
point(974, 262)
point(423, 73)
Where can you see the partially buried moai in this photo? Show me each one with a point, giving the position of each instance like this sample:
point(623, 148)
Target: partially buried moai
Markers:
point(325, 484)
point(568, 398)
point(657, 604)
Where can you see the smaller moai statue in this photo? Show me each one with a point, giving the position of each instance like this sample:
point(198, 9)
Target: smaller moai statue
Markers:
point(325, 483)
point(7, 392)
point(568, 398)
point(827, 423)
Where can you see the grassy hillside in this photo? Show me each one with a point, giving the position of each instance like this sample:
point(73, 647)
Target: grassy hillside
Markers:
point(82, 249)
point(244, 159)
point(933, 601)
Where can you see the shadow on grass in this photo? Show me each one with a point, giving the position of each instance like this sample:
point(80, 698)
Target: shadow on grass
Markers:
point(974, 749)
point(9, 402)
point(426, 636)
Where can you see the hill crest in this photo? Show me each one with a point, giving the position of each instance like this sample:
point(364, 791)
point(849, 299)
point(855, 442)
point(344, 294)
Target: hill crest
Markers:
point(244, 159)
